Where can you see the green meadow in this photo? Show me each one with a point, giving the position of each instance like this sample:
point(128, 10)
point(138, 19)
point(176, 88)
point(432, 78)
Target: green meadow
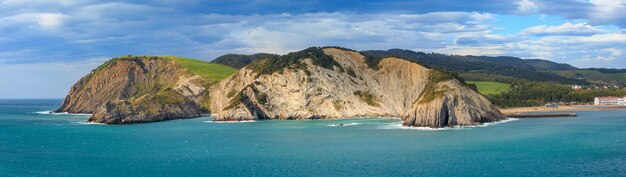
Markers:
point(491, 88)
point(211, 71)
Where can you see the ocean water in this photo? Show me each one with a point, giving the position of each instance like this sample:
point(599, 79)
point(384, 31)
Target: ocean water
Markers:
point(34, 144)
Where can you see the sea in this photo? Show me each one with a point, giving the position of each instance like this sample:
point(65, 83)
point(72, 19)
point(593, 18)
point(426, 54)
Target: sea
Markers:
point(34, 142)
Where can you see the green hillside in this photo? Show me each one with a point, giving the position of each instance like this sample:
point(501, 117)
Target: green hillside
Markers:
point(238, 61)
point(211, 71)
point(490, 88)
point(598, 76)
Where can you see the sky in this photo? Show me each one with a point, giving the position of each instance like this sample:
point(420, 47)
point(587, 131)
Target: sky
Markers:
point(47, 45)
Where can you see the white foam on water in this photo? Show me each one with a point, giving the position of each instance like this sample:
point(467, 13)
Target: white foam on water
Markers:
point(90, 123)
point(508, 119)
point(59, 113)
point(347, 124)
point(398, 125)
point(227, 122)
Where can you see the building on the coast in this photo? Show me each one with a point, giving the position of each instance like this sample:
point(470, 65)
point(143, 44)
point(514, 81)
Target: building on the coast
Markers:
point(609, 100)
point(577, 87)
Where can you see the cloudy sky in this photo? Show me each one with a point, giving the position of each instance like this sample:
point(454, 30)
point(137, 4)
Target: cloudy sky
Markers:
point(47, 45)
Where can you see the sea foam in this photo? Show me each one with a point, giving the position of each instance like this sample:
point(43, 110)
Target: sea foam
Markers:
point(346, 124)
point(90, 123)
point(60, 113)
point(226, 122)
point(398, 125)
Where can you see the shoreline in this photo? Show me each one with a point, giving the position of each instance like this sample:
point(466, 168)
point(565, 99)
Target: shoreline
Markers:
point(520, 110)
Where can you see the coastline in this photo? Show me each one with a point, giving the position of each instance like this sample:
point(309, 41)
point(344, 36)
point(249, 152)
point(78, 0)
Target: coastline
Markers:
point(519, 110)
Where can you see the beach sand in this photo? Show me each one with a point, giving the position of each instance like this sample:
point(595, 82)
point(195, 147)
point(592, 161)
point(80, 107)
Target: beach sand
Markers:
point(519, 110)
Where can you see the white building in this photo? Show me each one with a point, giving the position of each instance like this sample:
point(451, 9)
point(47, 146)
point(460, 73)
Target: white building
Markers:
point(609, 100)
point(577, 87)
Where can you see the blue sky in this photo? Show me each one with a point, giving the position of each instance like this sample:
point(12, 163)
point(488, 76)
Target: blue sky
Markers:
point(47, 45)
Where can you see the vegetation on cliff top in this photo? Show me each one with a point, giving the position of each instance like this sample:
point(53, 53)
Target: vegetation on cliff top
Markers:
point(211, 71)
point(294, 60)
point(238, 61)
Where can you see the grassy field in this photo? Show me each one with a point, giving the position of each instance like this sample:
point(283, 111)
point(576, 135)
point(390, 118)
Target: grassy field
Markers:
point(212, 71)
point(489, 88)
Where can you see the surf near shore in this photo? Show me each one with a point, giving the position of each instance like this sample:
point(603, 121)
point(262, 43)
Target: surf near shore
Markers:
point(520, 110)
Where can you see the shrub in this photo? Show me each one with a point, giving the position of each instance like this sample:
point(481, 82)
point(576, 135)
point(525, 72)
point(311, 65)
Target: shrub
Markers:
point(368, 97)
point(293, 60)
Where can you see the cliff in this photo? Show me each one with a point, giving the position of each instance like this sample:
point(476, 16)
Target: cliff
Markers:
point(134, 89)
point(320, 83)
point(315, 83)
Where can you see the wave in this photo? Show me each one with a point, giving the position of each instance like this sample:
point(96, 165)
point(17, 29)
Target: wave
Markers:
point(90, 123)
point(60, 113)
point(398, 125)
point(226, 122)
point(508, 119)
point(338, 125)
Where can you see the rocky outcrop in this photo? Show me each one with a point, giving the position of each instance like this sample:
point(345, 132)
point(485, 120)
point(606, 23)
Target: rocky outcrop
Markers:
point(125, 112)
point(135, 89)
point(452, 105)
point(316, 83)
point(307, 85)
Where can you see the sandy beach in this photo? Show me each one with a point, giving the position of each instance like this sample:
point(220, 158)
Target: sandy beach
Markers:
point(520, 110)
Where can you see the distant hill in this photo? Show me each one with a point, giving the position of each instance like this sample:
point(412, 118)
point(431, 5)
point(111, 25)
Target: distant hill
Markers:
point(239, 61)
point(484, 66)
point(600, 76)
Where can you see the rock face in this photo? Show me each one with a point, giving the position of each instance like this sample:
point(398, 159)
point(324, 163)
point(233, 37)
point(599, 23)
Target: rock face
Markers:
point(137, 89)
point(337, 83)
point(316, 83)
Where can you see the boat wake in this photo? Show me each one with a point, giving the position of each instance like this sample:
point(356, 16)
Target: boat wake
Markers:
point(398, 125)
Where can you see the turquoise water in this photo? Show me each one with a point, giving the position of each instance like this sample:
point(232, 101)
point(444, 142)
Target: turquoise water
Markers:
point(31, 144)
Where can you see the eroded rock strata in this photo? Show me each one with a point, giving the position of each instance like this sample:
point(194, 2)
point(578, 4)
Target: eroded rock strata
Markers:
point(351, 85)
point(136, 89)
point(316, 83)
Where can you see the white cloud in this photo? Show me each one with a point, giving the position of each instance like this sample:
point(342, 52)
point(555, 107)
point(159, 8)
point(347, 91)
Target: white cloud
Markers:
point(595, 12)
point(49, 20)
point(42, 20)
point(566, 29)
point(612, 38)
point(608, 9)
point(526, 7)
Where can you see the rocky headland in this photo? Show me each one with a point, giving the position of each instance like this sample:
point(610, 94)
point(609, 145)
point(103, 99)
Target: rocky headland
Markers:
point(315, 83)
